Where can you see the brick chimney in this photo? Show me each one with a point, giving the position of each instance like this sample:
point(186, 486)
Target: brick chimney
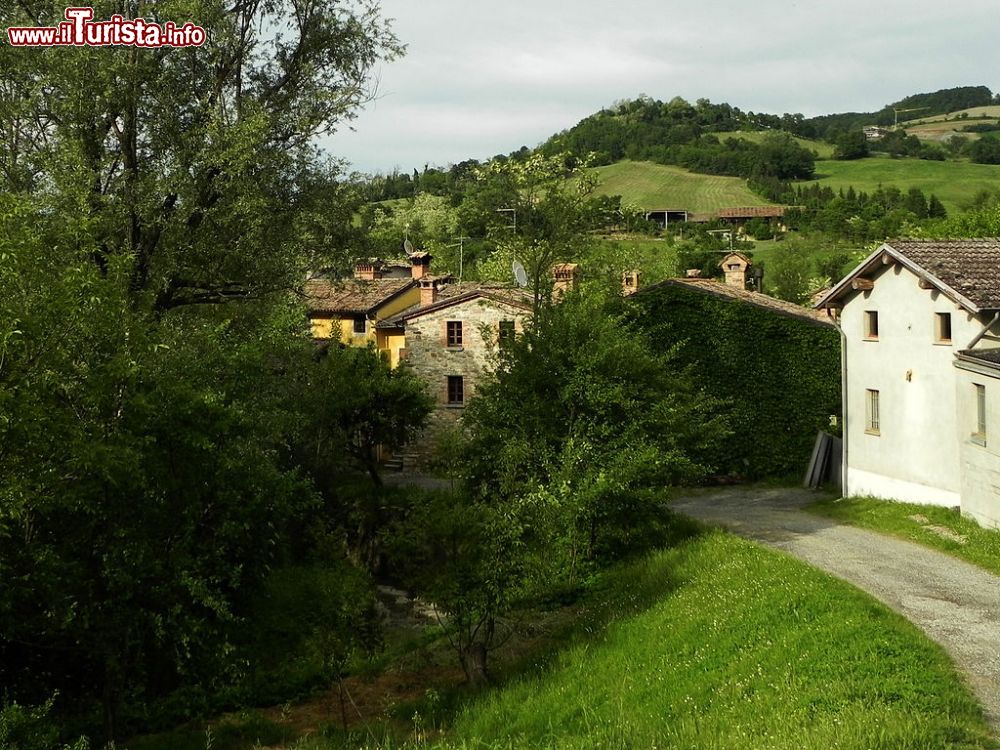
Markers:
point(630, 282)
point(564, 278)
point(367, 270)
point(420, 265)
point(737, 269)
point(428, 291)
point(693, 273)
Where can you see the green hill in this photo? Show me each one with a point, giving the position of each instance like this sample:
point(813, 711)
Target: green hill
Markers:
point(651, 186)
point(954, 183)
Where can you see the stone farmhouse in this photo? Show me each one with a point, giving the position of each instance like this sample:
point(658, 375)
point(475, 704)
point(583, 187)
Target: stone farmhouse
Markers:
point(920, 324)
point(445, 330)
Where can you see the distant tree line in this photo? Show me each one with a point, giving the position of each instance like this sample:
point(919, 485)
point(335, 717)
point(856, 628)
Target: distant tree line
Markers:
point(851, 214)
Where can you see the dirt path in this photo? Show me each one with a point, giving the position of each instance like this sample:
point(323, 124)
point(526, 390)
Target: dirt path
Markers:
point(956, 604)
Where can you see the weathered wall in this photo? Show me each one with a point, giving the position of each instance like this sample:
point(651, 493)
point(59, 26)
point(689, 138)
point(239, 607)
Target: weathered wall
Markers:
point(433, 361)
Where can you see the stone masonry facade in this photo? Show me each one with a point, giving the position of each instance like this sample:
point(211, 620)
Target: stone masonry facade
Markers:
point(434, 361)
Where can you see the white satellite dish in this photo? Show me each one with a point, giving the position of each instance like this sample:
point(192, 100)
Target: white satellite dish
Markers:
point(408, 246)
point(520, 274)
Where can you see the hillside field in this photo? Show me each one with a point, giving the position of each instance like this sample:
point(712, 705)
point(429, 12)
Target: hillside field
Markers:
point(954, 183)
point(650, 186)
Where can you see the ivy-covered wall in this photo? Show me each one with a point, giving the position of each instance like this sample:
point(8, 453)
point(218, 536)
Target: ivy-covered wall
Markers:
point(778, 375)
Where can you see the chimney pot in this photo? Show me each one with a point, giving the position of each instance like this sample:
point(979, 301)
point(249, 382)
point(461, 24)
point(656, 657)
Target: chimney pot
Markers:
point(428, 291)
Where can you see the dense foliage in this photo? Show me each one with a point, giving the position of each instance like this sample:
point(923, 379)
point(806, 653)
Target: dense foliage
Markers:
point(158, 211)
point(777, 376)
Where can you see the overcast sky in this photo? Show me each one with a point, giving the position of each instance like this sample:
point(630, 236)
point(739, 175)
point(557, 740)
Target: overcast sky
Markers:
point(482, 78)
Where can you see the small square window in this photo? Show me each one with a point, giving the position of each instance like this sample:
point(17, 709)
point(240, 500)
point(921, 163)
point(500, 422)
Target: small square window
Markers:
point(456, 390)
point(871, 325)
point(942, 328)
point(454, 333)
point(507, 330)
point(360, 326)
point(980, 434)
point(872, 420)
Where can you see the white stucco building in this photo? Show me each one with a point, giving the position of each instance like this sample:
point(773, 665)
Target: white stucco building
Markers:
point(921, 350)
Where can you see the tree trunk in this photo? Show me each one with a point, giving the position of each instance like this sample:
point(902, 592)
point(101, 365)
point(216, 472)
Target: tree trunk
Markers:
point(473, 659)
point(110, 700)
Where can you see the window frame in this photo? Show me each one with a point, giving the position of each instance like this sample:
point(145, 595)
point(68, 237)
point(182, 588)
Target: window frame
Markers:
point(455, 387)
point(363, 321)
point(942, 321)
point(454, 334)
point(873, 416)
point(979, 436)
point(871, 329)
point(506, 331)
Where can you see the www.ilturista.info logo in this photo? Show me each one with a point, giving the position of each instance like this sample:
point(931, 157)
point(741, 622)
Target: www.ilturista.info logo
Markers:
point(80, 31)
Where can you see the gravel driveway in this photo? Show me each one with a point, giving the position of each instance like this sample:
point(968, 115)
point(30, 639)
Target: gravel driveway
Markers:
point(956, 604)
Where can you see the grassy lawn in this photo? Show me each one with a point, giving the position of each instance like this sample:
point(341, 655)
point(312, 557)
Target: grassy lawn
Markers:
point(981, 546)
point(659, 186)
point(723, 644)
point(954, 183)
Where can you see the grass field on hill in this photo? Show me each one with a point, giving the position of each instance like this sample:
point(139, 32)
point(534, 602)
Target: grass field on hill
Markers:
point(731, 646)
point(652, 185)
point(955, 183)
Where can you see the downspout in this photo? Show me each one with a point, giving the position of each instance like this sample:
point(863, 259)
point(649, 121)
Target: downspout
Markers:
point(843, 408)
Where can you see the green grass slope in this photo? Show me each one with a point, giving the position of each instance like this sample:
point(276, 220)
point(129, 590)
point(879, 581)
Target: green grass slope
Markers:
point(650, 186)
point(955, 183)
point(747, 648)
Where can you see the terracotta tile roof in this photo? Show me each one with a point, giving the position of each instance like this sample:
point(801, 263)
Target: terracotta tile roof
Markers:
point(970, 267)
point(753, 212)
point(720, 289)
point(462, 291)
point(967, 271)
point(352, 296)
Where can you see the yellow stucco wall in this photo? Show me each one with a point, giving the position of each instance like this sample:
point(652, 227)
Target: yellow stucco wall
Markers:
point(342, 328)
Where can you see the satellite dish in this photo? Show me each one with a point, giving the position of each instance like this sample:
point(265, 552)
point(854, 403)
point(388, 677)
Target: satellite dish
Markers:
point(520, 275)
point(408, 247)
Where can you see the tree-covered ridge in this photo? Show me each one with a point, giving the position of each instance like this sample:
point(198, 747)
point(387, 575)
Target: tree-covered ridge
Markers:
point(647, 129)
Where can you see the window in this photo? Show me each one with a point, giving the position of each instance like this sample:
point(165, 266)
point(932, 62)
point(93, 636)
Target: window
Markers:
point(872, 422)
point(506, 334)
point(942, 328)
point(456, 390)
point(979, 435)
point(454, 333)
point(360, 326)
point(871, 325)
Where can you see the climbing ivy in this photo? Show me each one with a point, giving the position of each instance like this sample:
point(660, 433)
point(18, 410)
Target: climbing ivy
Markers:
point(778, 375)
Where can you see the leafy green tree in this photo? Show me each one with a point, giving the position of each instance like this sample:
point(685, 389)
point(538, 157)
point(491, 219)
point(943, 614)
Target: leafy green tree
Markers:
point(850, 144)
point(157, 210)
point(537, 210)
point(583, 413)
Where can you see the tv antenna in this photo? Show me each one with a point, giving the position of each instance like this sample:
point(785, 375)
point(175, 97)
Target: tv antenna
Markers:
point(520, 275)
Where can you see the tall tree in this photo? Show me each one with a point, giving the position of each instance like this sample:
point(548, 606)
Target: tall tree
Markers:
point(157, 208)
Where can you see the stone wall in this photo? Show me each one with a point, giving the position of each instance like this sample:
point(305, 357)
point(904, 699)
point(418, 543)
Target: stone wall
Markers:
point(428, 353)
